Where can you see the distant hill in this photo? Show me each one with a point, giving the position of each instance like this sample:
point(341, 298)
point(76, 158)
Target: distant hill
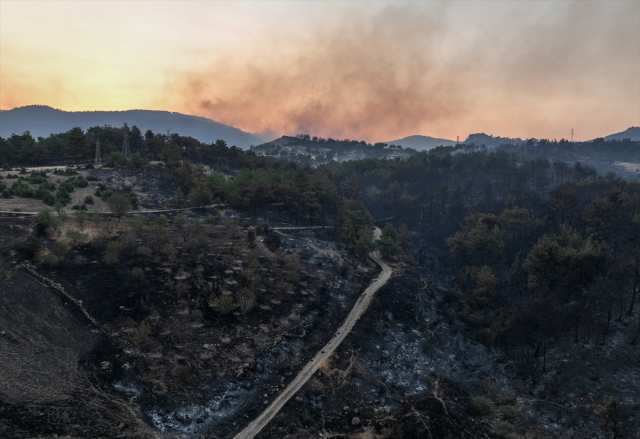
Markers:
point(491, 141)
point(632, 133)
point(421, 143)
point(42, 121)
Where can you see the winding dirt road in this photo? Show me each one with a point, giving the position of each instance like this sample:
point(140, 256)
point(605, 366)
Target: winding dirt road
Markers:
point(359, 308)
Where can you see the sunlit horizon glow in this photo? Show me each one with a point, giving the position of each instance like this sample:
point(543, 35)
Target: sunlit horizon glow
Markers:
point(376, 71)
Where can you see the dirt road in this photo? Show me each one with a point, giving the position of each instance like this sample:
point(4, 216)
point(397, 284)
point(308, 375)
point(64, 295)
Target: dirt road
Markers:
point(360, 307)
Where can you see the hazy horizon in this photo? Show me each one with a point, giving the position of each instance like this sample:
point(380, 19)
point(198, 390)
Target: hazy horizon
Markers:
point(374, 71)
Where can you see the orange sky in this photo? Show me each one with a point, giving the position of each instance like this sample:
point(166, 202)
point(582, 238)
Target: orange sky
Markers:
point(362, 70)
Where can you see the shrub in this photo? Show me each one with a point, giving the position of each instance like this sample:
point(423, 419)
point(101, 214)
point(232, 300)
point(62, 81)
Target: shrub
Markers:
point(67, 185)
point(157, 233)
point(37, 178)
point(40, 193)
point(112, 255)
point(162, 220)
point(81, 217)
point(105, 194)
point(76, 238)
point(197, 314)
point(59, 250)
point(181, 288)
point(88, 199)
point(137, 272)
point(133, 201)
point(179, 221)
point(255, 265)
point(201, 241)
point(66, 172)
point(80, 260)
point(224, 304)
point(129, 242)
point(81, 182)
point(245, 224)
point(210, 220)
point(108, 227)
point(62, 196)
point(144, 251)
point(44, 219)
point(246, 300)
point(292, 262)
point(134, 223)
point(92, 177)
point(48, 199)
point(142, 332)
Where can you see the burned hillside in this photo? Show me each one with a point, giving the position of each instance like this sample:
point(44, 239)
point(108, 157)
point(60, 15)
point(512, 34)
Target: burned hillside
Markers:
point(191, 290)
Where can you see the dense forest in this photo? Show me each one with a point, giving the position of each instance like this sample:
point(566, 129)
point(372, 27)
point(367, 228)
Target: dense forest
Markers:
point(537, 253)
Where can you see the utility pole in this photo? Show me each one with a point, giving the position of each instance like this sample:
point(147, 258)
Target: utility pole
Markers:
point(98, 160)
point(571, 135)
point(126, 150)
point(457, 139)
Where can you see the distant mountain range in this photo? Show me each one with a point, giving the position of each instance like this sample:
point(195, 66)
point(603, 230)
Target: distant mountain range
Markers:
point(42, 121)
point(423, 143)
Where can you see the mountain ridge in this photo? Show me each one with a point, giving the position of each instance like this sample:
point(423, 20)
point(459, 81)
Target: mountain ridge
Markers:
point(632, 133)
point(420, 142)
point(43, 120)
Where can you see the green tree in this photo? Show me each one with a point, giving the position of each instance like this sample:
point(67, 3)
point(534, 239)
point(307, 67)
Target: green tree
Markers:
point(76, 147)
point(119, 205)
point(200, 196)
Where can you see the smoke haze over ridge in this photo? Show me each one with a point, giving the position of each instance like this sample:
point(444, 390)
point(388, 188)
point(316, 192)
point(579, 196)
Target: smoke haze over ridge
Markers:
point(412, 68)
point(374, 70)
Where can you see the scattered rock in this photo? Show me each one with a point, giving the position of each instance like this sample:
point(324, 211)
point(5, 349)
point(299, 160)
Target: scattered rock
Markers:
point(355, 421)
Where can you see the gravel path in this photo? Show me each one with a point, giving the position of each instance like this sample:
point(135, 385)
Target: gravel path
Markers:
point(359, 308)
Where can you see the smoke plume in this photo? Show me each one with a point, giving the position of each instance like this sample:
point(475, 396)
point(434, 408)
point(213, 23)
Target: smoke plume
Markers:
point(430, 69)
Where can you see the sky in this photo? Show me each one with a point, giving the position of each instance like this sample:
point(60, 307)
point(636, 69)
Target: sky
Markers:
point(366, 70)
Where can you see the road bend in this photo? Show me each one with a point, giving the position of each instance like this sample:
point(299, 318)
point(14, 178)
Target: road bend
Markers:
point(312, 366)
